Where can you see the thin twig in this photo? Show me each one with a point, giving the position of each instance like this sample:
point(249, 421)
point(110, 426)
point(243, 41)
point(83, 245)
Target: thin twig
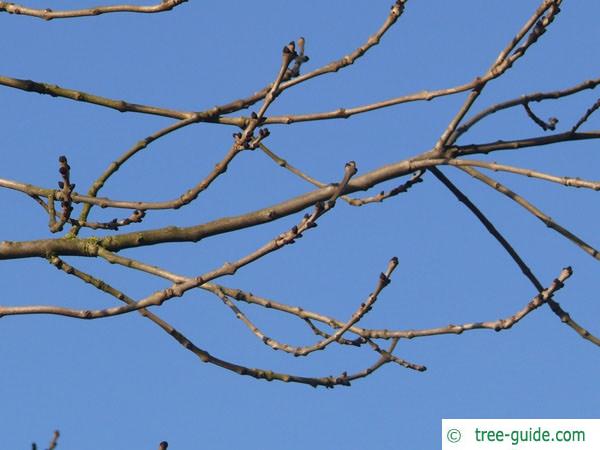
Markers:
point(554, 306)
point(550, 125)
point(291, 206)
point(489, 226)
point(308, 316)
point(533, 210)
point(394, 358)
point(329, 382)
point(586, 116)
point(565, 181)
point(356, 342)
point(213, 114)
point(178, 289)
point(114, 224)
point(81, 247)
point(381, 196)
point(48, 14)
point(66, 189)
point(54, 441)
point(384, 280)
point(526, 99)
point(496, 325)
point(116, 165)
point(242, 141)
point(485, 148)
point(535, 26)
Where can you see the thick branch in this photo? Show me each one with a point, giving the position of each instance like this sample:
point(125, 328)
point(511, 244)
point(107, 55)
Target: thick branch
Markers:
point(88, 247)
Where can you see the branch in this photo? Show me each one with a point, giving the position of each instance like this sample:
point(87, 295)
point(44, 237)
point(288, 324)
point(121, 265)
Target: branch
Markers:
point(554, 306)
point(533, 210)
point(86, 247)
point(242, 141)
point(361, 183)
point(365, 307)
point(213, 114)
point(496, 325)
point(489, 226)
point(550, 125)
point(344, 379)
point(394, 358)
point(48, 14)
point(332, 67)
point(178, 289)
point(114, 224)
point(346, 112)
point(80, 96)
point(524, 100)
point(116, 165)
point(416, 178)
point(54, 440)
point(363, 333)
point(331, 381)
point(471, 149)
point(586, 116)
point(237, 295)
point(357, 342)
point(565, 181)
point(535, 26)
point(66, 190)
point(384, 280)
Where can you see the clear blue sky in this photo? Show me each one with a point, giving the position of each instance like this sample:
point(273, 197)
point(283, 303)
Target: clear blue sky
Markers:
point(122, 383)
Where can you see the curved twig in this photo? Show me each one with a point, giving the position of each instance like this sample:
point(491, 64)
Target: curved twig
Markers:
point(48, 14)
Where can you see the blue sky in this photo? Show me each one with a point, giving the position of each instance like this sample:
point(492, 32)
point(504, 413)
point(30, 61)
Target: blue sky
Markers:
point(122, 383)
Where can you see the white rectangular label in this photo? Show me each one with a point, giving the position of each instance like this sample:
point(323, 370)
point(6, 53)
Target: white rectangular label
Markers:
point(520, 434)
